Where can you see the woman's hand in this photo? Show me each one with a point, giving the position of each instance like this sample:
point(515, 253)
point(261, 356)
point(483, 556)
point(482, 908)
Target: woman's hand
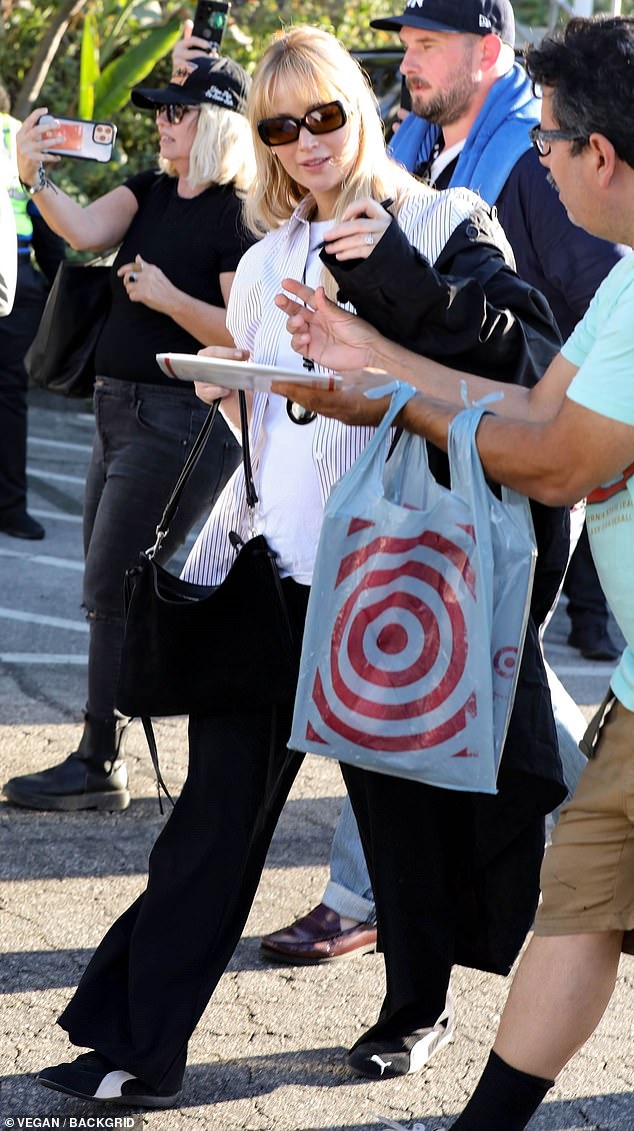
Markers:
point(324, 332)
point(187, 49)
point(31, 142)
point(209, 393)
point(361, 227)
point(146, 283)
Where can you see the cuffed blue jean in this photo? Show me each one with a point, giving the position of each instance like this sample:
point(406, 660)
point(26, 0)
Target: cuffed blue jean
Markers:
point(144, 434)
point(348, 891)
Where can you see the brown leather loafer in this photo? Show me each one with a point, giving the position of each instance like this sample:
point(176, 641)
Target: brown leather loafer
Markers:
point(318, 937)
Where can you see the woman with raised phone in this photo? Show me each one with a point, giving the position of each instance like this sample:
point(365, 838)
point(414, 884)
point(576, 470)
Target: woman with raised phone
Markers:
point(180, 238)
point(323, 178)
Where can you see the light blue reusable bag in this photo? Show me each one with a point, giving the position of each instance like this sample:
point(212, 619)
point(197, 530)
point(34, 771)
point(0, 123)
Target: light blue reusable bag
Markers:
point(417, 614)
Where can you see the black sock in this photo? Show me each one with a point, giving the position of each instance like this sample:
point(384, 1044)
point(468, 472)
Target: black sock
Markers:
point(505, 1098)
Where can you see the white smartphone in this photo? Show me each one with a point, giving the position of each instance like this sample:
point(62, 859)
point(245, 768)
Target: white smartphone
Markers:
point(90, 141)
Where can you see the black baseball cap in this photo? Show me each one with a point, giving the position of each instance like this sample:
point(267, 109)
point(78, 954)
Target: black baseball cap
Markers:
point(478, 17)
point(208, 79)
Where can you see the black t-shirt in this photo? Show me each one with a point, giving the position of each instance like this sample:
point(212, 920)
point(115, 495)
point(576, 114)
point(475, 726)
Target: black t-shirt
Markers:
point(193, 241)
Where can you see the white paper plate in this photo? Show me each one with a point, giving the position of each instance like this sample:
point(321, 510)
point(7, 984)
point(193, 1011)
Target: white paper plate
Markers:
point(239, 374)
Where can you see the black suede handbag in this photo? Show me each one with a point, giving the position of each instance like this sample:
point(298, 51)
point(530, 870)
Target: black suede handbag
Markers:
point(204, 650)
point(61, 357)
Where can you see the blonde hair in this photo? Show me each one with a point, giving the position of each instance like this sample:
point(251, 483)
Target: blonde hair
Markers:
point(221, 153)
point(312, 64)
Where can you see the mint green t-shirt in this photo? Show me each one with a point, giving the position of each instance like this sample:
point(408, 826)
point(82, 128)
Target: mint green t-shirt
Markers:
point(602, 346)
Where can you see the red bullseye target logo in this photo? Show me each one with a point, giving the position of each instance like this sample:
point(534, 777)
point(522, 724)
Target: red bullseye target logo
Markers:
point(504, 662)
point(397, 677)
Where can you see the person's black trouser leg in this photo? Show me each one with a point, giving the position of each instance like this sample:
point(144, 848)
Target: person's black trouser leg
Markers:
point(150, 979)
point(17, 331)
point(455, 879)
point(414, 838)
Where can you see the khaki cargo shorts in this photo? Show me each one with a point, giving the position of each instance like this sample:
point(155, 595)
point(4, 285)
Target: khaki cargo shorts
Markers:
point(587, 875)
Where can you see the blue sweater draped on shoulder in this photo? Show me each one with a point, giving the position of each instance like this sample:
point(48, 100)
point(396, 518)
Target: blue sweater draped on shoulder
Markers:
point(496, 141)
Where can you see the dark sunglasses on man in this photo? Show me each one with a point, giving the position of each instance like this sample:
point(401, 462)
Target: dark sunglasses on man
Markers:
point(324, 119)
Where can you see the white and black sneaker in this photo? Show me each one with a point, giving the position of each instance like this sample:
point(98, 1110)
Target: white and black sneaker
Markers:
point(92, 1077)
point(386, 1057)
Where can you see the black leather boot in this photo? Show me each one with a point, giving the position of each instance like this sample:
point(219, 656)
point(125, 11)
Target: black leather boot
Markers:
point(91, 777)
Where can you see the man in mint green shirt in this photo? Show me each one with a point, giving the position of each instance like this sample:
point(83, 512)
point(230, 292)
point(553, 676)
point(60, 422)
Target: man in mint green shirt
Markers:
point(601, 349)
point(570, 436)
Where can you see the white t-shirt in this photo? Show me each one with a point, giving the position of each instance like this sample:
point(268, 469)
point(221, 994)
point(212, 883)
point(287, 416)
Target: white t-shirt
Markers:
point(288, 481)
point(444, 158)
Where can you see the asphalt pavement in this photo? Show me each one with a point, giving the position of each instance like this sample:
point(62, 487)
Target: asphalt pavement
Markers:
point(268, 1052)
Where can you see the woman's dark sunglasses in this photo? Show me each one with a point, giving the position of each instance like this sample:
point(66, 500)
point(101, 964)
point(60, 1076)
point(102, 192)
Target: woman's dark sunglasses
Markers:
point(174, 112)
point(323, 119)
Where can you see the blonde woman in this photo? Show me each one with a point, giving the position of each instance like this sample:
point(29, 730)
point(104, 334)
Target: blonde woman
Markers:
point(182, 236)
point(323, 176)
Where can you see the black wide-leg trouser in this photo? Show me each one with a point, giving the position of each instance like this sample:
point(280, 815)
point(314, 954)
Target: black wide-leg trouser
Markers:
point(456, 882)
point(152, 976)
point(154, 972)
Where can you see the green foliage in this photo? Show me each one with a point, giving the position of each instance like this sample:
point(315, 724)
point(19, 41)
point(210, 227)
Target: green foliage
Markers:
point(88, 67)
point(22, 28)
point(112, 88)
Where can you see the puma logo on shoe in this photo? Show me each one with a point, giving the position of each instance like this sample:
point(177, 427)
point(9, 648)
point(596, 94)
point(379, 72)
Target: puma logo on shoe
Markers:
point(405, 1052)
point(383, 1064)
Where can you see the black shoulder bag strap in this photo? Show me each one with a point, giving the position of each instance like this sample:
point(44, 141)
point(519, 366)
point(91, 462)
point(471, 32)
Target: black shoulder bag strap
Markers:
point(171, 506)
point(162, 531)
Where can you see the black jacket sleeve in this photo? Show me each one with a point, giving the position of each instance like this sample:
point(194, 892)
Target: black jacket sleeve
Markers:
point(469, 309)
point(473, 312)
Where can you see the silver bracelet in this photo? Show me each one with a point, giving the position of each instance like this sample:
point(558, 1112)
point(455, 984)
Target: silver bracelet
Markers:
point(41, 183)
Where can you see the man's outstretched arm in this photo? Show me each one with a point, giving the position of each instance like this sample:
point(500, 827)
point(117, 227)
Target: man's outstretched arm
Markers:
point(556, 461)
point(342, 341)
point(536, 440)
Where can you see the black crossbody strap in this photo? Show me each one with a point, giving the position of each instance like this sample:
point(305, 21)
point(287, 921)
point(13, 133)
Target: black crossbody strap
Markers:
point(160, 782)
point(195, 454)
point(252, 497)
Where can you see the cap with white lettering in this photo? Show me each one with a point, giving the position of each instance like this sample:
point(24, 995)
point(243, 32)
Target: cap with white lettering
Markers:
point(206, 79)
point(477, 17)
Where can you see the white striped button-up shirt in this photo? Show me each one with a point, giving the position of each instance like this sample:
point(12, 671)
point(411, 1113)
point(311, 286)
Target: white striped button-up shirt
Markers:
point(257, 325)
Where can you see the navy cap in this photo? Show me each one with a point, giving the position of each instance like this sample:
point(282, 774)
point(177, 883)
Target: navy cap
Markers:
point(207, 79)
point(477, 17)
